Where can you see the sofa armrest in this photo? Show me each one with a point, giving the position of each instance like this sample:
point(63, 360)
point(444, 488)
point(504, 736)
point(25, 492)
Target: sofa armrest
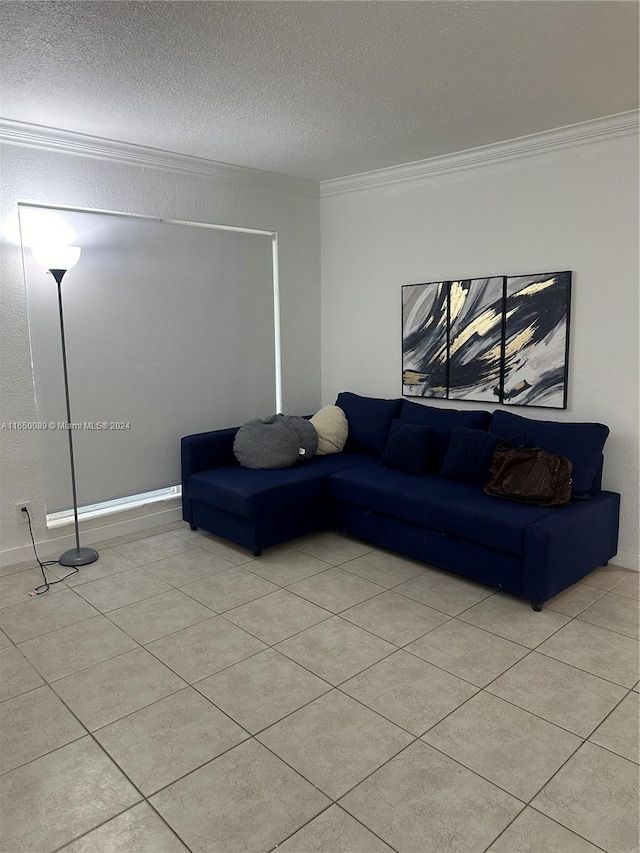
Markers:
point(202, 452)
point(206, 450)
point(597, 480)
point(563, 547)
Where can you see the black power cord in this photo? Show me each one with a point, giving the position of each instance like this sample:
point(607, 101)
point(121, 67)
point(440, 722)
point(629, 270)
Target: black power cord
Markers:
point(44, 587)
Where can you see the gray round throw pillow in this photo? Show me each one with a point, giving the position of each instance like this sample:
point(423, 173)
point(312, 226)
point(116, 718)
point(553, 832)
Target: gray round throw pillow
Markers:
point(274, 442)
point(307, 435)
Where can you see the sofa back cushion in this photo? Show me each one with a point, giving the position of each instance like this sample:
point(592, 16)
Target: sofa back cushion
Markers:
point(443, 422)
point(369, 421)
point(582, 443)
point(408, 448)
point(468, 457)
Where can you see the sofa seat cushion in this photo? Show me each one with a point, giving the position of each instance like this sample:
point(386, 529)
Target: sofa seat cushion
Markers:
point(250, 492)
point(450, 507)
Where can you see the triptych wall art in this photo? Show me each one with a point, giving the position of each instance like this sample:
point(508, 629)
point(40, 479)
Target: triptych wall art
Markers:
point(501, 340)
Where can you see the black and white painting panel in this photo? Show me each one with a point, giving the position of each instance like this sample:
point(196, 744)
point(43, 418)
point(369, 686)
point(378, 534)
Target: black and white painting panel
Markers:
point(536, 340)
point(475, 339)
point(424, 339)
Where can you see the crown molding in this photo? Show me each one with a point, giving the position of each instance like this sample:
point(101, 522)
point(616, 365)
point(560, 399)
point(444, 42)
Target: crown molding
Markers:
point(82, 145)
point(558, 139)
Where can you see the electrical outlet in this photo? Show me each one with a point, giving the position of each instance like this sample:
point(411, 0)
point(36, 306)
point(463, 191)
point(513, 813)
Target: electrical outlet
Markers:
point(22, 516)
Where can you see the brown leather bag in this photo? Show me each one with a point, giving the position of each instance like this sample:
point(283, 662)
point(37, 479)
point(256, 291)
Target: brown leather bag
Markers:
point(530, 475)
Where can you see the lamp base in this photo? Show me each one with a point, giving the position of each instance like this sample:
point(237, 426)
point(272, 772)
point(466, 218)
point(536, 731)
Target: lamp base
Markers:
point(78, 557)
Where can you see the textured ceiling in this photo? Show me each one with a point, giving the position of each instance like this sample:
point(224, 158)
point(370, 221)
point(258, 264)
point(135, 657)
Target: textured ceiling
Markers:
point(317, 89)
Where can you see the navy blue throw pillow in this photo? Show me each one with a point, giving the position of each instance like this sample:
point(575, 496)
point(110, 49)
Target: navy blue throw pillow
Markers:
point(443, 422)
point(369, 421)
point(408, 448)
point(468, 456)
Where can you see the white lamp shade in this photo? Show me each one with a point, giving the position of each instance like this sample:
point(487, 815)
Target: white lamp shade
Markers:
point(56, 257)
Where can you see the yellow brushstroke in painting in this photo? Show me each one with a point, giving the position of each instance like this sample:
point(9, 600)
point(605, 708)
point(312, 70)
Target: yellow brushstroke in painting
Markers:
point(536, 288)
point(492, 354)
point(524, 337)
point(457, 299)
point(526, 334)
point(480, 326)
point(520, 340)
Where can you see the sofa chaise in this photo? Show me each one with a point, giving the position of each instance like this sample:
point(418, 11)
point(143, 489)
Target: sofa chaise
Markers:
point(441, 517)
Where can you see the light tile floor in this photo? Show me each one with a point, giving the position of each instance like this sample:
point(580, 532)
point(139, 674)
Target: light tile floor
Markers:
point(180, 695)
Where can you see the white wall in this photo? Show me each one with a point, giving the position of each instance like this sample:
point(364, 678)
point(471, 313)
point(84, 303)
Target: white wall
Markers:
point(574, 209)
point(49, 177)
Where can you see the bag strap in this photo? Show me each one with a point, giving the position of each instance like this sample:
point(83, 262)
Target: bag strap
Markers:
point(508, 443)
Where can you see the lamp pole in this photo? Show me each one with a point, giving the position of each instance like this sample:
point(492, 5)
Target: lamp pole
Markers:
point(52, 259)
point(75, 556)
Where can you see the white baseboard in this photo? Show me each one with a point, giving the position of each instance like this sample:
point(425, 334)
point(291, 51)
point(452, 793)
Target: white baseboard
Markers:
point(627, 559)
point(52, 548)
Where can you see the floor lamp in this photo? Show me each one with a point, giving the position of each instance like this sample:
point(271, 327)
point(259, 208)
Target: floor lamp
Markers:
point(58, 260)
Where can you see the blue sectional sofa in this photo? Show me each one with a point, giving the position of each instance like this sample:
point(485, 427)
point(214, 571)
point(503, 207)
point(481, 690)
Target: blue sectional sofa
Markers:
point(446, 521)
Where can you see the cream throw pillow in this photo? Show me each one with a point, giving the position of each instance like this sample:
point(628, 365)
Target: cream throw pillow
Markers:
point(332, 427)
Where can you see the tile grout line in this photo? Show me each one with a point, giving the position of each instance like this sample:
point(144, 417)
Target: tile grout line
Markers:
point(282, 639)
point(82, 668)
point(573, 753)
point(331, 687)
point(611, 752)
point(540, 651)
point(306, 823)
point(337, 687)
point(613, 630)
point(254, 736)
point(269, 725)
point(107, 615)
point(502, 832)
point(340, 683)
point(525, 804)
point(597, 846)
point(528, 806)
point(530, 650)
point(629, 692)
point(444, 612)
point(89, 831)
point(585, 671)
point(50, 751)
point(99, 612)
point(338, 806)
point(302, 630)
point(120, 769)
point(583, 738)
point(536, 649)
point(574, 619)
point(292, 768)
point(53, 630)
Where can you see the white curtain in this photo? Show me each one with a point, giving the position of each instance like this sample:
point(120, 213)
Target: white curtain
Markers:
point(170, 331)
